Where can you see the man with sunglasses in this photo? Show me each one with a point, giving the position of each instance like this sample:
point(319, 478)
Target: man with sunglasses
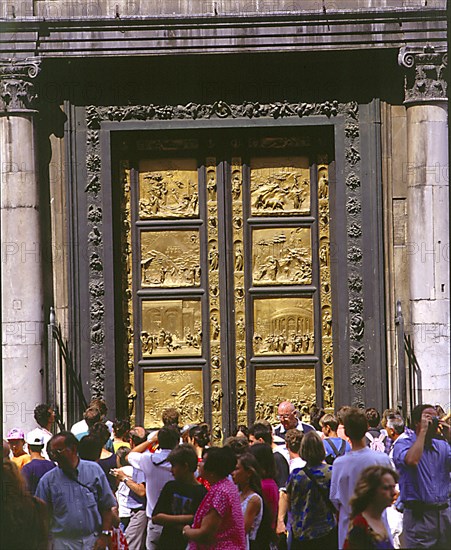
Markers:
point(78, 496)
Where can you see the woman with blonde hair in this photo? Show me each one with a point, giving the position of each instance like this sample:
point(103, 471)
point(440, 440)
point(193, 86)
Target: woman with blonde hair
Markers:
point(375, 490)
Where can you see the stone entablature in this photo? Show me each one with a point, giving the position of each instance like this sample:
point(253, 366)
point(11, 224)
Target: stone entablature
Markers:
point(59, 9)
point(69, 29)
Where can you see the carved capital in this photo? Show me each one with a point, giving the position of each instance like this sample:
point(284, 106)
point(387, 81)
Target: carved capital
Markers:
point(16, 84)
point(425, 75)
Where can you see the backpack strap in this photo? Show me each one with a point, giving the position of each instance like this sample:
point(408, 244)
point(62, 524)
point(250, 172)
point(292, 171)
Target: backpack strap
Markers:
point(332, 445)
point(342, 450)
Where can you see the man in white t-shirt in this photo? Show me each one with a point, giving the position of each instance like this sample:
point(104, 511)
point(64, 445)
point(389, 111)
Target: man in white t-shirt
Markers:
point(347, 469)
point(157, 470)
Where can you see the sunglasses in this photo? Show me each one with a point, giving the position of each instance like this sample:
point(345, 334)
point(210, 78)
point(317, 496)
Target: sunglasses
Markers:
point(57, 452)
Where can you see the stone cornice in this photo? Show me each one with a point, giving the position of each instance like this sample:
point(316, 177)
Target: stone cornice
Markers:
point(426, 74)
point(151, 35)
point(16, 86)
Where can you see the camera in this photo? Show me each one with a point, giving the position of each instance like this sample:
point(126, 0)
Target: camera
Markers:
point(435, 421)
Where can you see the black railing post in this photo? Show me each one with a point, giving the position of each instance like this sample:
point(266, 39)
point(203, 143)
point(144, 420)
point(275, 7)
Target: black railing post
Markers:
point(51, 361)
point(402, 378)
point(64, 385)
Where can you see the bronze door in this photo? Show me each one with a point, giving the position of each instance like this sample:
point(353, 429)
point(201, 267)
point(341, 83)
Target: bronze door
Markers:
point(229, 269)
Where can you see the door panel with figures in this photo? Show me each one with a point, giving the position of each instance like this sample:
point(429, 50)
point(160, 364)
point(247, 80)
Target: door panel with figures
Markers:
point(227, 276)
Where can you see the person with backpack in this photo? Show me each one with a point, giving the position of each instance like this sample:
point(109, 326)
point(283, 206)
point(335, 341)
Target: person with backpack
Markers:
point(334, 445)
point(375, 437)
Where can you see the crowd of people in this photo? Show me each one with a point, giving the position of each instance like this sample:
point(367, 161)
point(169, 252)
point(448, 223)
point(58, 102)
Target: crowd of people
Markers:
point(351, 481)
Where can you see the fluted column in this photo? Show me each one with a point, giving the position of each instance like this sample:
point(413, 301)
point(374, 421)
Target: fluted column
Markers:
point(21, 267)
point(428, 216)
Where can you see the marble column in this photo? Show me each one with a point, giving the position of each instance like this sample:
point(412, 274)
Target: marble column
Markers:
point(21, 267)
point(428, 217)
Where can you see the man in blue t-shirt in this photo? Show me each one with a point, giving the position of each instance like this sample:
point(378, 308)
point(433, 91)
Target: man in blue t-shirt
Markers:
point(34, 470)
point(333, 445)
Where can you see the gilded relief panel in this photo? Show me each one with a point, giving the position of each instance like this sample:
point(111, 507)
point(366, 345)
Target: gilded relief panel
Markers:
point(171, 328)
point(275, 385)
point(325, 290)
point(181, 389)
point(238, 275)
point(217, 393)
point(168, 188)
point(281, 256)
point(283, 326)
point(170, 259)
point(280, 185)
point(128, 285)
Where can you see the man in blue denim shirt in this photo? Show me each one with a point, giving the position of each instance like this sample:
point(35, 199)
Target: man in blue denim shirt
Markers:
point(78, 496)
point(424, 463)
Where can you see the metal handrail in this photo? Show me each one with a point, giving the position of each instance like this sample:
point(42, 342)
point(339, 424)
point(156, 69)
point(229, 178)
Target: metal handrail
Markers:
point(64, 384)
point(414, 371)
point(409, 375)
point(402, 376)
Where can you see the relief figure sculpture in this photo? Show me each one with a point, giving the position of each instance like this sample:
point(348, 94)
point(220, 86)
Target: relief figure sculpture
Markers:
point(328, 392)
point(280, 185)
point(168, 188)
point(213, 258)
point(214, 328)
point(170, 258)
point(282, 256)
point(216, 396)
point(211, 186)
point(283, 326)
point(236, 187)
point(241, 398)
point(323, 188)
point(171, 327)
point(177, 388)
point(327, 322)
point(239, 260)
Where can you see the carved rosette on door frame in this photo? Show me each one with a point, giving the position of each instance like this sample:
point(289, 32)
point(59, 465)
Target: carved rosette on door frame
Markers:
point(281, 308)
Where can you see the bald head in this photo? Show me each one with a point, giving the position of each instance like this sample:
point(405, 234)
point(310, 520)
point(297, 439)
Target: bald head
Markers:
point(287, 415)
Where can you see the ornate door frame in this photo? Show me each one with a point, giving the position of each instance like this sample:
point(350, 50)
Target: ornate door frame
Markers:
point(357, 264)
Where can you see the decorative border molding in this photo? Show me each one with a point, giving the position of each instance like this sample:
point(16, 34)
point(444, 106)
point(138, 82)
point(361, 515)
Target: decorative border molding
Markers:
point(95, 115)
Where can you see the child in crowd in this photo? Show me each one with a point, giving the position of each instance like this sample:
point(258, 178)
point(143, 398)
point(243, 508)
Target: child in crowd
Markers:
point(179, 499)
point(123, 490)
point(16, 440)
point(334, 445)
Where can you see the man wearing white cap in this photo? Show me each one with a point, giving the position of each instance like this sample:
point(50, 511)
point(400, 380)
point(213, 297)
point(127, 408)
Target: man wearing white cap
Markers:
point(45, 418)
point(16, 440)
point(38, 466)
